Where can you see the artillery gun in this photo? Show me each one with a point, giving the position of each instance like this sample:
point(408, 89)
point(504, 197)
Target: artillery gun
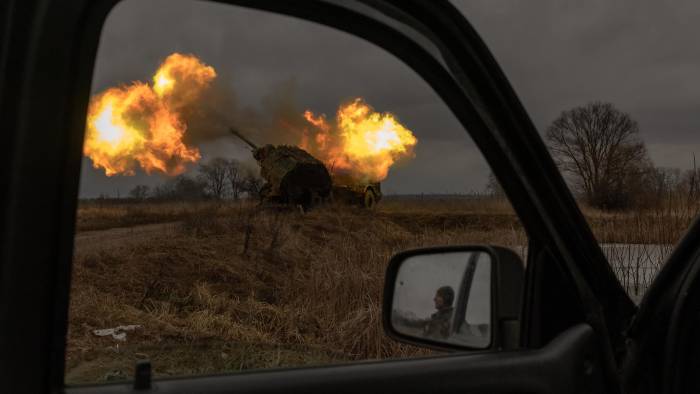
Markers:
point(291, 174)
point(349, 190)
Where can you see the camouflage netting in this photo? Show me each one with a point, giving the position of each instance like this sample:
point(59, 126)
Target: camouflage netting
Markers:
point(292, 174)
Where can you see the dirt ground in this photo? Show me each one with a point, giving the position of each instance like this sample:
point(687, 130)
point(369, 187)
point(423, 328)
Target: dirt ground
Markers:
point(88, 242)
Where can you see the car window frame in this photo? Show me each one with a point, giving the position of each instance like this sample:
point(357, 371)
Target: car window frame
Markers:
point(48, 22)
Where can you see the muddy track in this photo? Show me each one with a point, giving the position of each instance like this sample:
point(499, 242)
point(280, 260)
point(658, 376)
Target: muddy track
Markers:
point(88, 242)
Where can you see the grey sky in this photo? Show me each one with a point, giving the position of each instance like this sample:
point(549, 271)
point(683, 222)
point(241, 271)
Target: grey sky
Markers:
point(642, 57)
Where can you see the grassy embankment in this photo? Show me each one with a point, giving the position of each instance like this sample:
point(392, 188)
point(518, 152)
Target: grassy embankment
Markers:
point(226, 287)
point(305, 290)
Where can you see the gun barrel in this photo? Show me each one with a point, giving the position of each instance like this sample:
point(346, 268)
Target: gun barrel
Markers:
point(243, 138)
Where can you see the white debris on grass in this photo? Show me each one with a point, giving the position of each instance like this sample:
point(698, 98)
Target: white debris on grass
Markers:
point(118, 333)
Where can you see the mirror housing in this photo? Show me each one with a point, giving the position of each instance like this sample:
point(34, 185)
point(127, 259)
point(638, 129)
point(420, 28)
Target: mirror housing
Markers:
point(507, 276)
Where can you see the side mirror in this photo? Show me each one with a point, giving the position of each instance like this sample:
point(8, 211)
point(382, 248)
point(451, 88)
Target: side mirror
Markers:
point(455, 298)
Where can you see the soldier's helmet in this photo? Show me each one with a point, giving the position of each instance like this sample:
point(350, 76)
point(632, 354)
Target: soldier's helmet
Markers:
point(447, 294)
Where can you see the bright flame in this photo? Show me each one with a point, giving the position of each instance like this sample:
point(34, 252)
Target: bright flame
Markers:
point(363, 144)
point(140, 125)
point(107, 131)
point(162, 83)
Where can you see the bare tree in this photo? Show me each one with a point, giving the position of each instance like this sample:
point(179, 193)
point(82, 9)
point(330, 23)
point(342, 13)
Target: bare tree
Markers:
point(599, 146)
point(493, 187)
point(235, 178)
point(692, 181)
point(252, 184)
point(139, 192)
point(661, 183)
point(181, 187)
point(214, 174)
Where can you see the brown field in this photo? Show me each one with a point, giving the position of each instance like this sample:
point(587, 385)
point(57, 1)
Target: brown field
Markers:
point(221, 287)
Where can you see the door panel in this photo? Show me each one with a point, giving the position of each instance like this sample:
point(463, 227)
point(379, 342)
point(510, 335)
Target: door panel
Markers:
point(567, 365)
point(663, 336)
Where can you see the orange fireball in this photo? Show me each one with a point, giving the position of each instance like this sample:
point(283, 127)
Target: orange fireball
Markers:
point(140, 125)
point(363, 143)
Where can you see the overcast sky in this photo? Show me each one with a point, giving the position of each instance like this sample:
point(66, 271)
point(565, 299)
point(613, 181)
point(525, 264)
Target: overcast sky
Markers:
point(641, 56)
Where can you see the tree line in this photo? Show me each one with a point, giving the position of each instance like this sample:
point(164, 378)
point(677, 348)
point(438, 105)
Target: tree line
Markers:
point(598, 149)
point(217, 179)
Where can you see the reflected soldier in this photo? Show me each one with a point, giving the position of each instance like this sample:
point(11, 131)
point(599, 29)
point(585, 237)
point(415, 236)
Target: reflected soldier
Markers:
point(438, 326)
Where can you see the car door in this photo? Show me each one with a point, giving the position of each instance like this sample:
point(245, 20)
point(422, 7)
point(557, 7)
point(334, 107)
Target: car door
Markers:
point(574, 309)
point(663, 335)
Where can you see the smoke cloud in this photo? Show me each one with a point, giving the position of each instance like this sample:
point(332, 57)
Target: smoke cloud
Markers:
point(278, 120)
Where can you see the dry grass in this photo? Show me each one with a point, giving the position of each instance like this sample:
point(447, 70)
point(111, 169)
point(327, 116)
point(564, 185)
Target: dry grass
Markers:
point(660, 225)
point(306, 289)
point(231, 286)
point(96, 215)
point(641, 240)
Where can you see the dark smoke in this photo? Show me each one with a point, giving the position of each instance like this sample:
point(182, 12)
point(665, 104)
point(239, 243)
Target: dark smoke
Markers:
point(278, 120)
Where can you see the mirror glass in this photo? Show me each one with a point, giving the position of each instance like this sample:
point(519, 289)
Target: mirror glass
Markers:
point(445, 297)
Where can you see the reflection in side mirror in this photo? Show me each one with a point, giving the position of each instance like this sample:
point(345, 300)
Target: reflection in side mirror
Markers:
point(445, 297)
point(464, 297)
